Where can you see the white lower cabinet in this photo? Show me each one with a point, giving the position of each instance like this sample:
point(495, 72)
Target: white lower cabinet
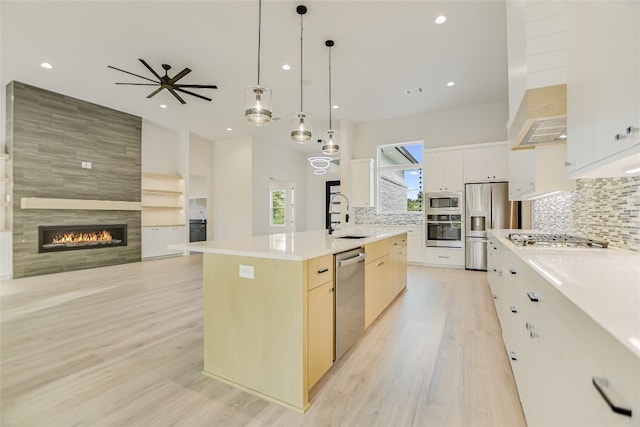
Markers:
point(155, 240)
point(415, 244)
point(444, 257)
point(556, 351)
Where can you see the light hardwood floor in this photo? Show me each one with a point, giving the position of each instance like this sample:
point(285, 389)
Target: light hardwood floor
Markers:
point(122, 346)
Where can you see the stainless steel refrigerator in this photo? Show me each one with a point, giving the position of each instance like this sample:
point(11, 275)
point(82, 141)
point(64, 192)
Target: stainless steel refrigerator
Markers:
point(487, 206)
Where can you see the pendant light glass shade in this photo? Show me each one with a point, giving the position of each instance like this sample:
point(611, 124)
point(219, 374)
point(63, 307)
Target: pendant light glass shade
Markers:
point(301, 128)
point(258, 98)
point(301, 123)
point(331, 145)
point(258, 104)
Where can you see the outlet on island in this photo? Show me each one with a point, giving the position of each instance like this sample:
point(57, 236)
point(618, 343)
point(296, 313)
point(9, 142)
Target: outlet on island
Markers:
point(246, 271)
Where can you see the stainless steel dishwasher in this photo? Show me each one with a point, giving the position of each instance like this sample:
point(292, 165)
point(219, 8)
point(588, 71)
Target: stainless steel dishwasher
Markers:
point(349, 299)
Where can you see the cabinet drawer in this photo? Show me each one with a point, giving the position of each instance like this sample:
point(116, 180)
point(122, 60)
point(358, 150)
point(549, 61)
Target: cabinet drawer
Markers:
point(376, 250)
point(588, 352)
point(398, 241)
point(445, 257)
point(319, 271)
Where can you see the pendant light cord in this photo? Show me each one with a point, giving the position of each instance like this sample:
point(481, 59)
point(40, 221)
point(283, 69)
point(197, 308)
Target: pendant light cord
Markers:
point(330, 125)
point(301, 62)
point(259, 32)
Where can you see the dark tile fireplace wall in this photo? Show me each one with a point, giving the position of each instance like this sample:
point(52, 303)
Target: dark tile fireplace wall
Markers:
point(49, 135)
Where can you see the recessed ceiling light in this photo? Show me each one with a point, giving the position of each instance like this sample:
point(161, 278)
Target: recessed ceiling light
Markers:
point(46, 66)
point(163, 106)
point(451, 84)
point(229, 129)
point(335, 107)
point(286, 67)
point(441, 19)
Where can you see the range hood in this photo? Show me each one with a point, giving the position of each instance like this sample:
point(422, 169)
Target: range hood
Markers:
point(541, 118)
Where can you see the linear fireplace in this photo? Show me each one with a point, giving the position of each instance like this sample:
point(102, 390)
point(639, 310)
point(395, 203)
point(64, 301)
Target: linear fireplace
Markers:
point(53, 238)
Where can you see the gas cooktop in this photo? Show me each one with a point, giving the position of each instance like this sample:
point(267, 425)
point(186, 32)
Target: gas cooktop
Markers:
point(554, 240)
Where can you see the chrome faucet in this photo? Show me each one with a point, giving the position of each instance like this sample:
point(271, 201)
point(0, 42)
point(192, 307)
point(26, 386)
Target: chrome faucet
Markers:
point(331, 230)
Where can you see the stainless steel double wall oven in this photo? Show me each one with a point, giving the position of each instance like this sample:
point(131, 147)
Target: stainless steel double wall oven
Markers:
point(444, 220)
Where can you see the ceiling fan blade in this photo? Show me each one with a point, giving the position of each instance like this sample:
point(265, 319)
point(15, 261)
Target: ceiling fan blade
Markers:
point(139, 84)
point(198, 86)
point(192, 94)
point(178, 76)
point(128, 72)
point(155, 92)
point(149, 68)
point(173, 92)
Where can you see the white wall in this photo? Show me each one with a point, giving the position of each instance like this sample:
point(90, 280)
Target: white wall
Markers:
point(232, 206)
point(200, 178)
point(159, 149)
point(467, 125)
point(282, 163)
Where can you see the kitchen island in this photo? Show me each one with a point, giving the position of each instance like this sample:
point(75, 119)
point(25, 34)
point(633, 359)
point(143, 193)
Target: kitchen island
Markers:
point(269, 305)
point(570, 320)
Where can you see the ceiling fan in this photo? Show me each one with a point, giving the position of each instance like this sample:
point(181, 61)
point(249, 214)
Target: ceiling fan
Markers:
point(166, 82)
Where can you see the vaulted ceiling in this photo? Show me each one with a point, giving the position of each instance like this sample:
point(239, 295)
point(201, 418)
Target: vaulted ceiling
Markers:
point(382, 49)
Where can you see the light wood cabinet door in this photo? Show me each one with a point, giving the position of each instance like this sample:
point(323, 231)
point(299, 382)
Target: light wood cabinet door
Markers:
point(376, 288)
point(398, 259)
point(320, 327)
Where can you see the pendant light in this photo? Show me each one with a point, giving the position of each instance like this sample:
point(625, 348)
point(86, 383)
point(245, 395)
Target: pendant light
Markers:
point(331, 145)
point(258, 98)
point(301, 124)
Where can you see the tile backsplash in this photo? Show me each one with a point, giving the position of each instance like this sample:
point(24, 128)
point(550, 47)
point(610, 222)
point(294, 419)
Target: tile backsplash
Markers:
point(600, 209)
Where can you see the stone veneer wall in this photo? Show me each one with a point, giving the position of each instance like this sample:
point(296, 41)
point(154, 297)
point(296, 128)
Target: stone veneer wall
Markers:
point(48, 136)
point(599, 209)
point(369, 216)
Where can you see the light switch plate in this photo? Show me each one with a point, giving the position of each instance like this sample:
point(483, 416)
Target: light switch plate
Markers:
point(246, 271)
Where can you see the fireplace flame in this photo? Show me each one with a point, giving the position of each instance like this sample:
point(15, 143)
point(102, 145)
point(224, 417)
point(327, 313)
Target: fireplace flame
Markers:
point(73, 237)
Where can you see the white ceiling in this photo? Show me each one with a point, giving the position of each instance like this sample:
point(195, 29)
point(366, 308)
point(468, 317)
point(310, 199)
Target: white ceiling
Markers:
point(381, 49)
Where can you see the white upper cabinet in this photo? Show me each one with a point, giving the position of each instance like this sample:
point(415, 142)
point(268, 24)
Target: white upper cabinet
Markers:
point(443, 170)
point(362, 172)
point(486, 163)
point(603, 88)
point(539, 171)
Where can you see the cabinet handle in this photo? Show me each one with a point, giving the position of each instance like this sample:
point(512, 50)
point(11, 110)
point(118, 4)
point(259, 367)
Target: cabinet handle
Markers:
point(630, 130)
point(513, 356)
point(533, 297)
point(602, 385)
point(443, 256)
point(513, 271)
point(379, 263)
point(332, 290)
point(395, 244)
point(324, 270)
point(619, 136)
point(533, 334)
point(495, 297)
point(529, 326)
point(513, 308)
point(566, 164)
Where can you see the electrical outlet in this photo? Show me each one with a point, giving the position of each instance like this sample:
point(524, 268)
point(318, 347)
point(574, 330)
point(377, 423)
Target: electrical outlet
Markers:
point(84, 165)
point(246, 271)
point(89, 166)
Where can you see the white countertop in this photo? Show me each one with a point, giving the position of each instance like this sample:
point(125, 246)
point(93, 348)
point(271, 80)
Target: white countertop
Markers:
point(297, 246)
point(603, 283)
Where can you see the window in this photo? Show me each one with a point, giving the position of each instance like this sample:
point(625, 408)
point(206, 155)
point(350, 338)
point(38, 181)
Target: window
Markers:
point(278, 204)
point(400, 178)
point(281, 206)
